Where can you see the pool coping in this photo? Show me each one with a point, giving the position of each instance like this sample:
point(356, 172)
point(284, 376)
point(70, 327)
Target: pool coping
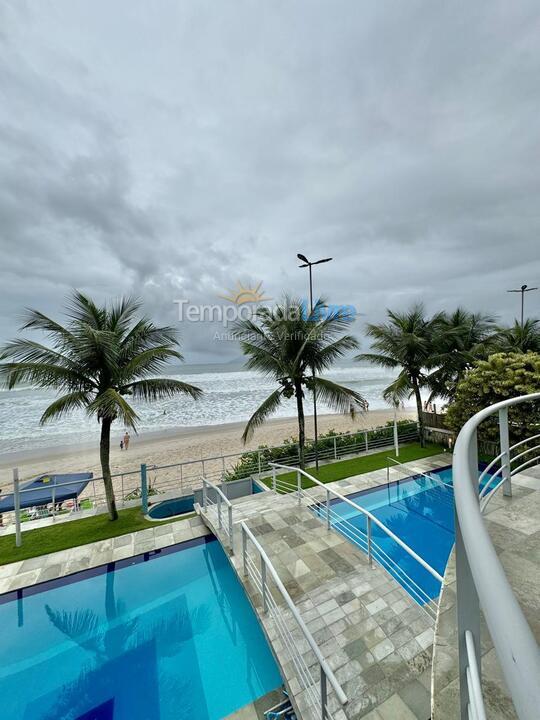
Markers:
point(97, 570)
point(42, 568)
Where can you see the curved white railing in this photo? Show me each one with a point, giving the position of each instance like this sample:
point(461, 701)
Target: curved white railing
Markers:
point(481, 580)
point(364, 540)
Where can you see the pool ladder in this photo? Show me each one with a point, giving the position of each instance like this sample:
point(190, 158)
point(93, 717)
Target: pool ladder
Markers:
point(282, 711)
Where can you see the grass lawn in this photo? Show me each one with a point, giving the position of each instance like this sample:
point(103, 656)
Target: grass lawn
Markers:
point(75, 532)
point(356, 466)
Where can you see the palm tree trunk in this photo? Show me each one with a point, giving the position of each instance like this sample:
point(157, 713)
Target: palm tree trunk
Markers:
point(419, 410)
point(104, 453)
point(301, 423)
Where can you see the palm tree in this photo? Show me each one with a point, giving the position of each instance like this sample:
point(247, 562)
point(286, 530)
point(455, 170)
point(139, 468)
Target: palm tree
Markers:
point(460, 338)
point(102, 355)
point(519, 339)
point(287, 344)
point(406, 342)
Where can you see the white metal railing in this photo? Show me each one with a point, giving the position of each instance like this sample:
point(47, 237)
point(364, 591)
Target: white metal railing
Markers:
point(481, 580)
point(364, 540)
point(263, 576)
point(411, 471)
point(214, 500)
point(445, 497)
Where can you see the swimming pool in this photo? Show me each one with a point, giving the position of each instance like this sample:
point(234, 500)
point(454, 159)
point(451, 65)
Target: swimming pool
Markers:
point(161, 636)
point(420, 512)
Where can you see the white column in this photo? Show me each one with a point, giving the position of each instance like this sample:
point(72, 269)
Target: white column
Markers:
point(504, 438)
point(17, 507)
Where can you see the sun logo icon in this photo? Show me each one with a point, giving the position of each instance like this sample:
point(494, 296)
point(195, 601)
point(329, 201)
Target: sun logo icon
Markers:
point(242, 294)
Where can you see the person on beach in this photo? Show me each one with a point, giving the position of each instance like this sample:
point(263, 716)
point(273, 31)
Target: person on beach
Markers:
point(121, 444)
point(126, 440)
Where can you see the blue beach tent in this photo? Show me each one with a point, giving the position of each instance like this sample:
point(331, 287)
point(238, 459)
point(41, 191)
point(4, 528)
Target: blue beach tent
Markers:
point(40, 491)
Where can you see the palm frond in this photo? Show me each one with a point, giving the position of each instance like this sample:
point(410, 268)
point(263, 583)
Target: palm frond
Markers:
point(399, 390)
point(83, 311)
point(258, 418)
point(60, 336)
point(339, 397)
point(65, 404)
point(42, 375)
point(149, 361)
point(327, 356)
point(378, 359)
point(161, 388)
point(110, 404)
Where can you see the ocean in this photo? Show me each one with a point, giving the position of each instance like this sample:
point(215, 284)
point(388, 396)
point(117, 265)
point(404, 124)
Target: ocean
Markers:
point(230, 395)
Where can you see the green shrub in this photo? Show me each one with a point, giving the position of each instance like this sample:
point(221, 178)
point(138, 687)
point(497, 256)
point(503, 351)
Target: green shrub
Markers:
point(248, 463)
point(498, 378)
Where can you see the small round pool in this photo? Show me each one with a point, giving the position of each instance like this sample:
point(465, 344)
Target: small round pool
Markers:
point(170, 508)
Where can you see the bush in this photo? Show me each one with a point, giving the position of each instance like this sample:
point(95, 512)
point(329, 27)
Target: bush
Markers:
point(498, 378)
point(248, 464)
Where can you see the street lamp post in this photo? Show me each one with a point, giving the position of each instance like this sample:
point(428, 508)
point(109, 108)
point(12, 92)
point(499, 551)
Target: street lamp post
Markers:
point(523, 289)
point(309, 265)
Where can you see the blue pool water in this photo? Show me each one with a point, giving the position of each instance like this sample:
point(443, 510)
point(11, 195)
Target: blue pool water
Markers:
point(170, 508)
point(421, 513)
point(170, 635)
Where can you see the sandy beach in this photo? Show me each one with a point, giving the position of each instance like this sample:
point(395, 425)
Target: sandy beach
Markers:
point(178, 446)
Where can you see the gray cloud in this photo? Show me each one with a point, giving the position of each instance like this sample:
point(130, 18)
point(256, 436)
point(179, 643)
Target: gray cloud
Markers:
point(167, 151)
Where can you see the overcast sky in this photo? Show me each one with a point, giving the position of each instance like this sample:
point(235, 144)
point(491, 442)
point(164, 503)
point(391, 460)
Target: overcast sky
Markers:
point(168, 149)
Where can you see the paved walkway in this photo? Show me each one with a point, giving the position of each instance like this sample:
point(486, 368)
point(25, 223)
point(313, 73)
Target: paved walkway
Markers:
point(375, 638)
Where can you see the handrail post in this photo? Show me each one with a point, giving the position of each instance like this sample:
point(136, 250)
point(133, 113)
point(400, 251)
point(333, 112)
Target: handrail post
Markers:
point(259, 463)
point(370, 556)
point(504, 438)
point(468, 605)
point(17, 507)
point(299, 486)
point(204, 498)
point(366, 440)
point(328, 523)
point(335, 449)
point(231, 527)
point(324, 695)
point(388, 474)
point(274, 479)
point(244, 550)
point(53, 498)
point(263, 585)
point(144, 490)
point(220, 521)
